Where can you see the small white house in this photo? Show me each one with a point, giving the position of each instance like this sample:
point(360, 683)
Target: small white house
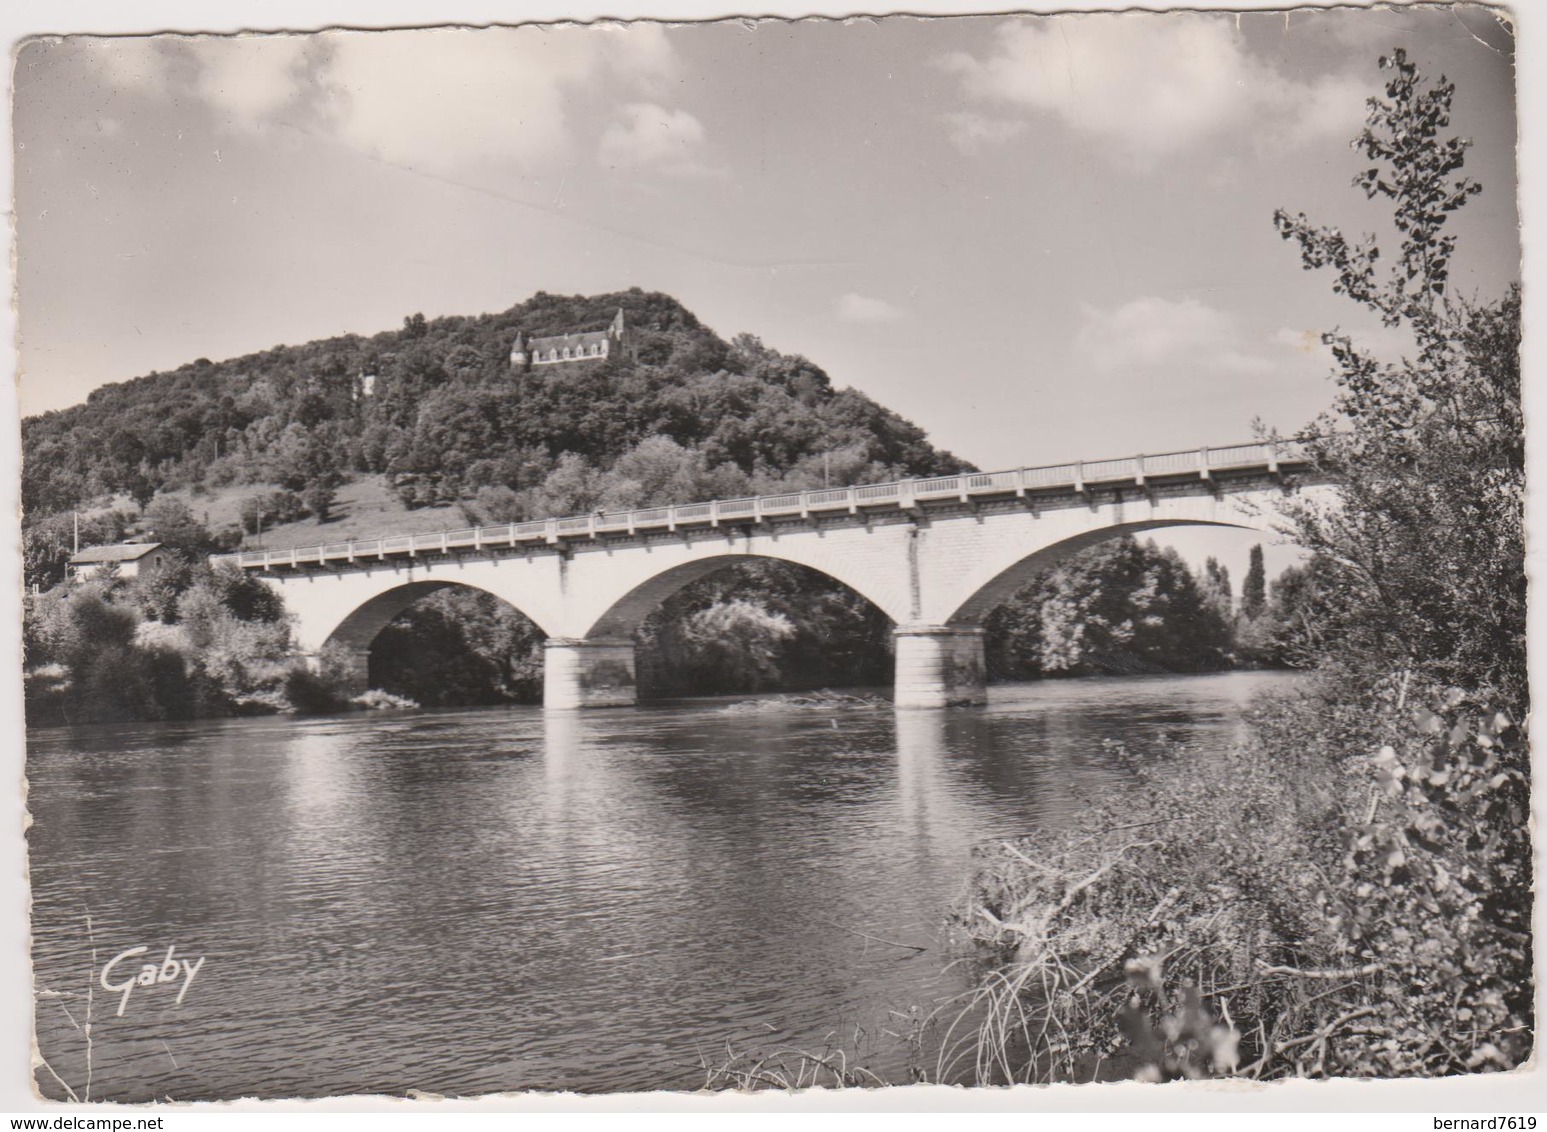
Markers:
point(133, 559)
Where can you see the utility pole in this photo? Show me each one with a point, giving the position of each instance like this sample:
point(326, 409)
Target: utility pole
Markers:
point(75, 547)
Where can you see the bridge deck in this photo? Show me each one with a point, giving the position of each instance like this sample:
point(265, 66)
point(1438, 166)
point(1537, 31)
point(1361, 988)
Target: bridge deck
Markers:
point(1201, 463)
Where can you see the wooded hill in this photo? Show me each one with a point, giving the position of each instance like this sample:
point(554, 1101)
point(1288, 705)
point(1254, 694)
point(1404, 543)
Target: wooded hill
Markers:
point(446, 418)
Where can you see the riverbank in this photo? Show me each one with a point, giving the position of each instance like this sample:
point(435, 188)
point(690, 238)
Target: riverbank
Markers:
point(1344, 892)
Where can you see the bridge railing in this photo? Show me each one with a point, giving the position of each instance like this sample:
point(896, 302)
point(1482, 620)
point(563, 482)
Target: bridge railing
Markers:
point(877, 492)
point(1265, 456)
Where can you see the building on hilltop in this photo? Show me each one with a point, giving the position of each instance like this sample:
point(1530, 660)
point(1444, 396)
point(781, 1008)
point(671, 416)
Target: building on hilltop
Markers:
point(559, 349)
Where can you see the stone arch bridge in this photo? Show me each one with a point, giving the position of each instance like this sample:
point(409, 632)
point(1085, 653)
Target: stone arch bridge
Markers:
point(935, 555)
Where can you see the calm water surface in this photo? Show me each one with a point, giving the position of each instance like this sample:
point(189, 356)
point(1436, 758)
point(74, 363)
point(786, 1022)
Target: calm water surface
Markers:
point(468, 901)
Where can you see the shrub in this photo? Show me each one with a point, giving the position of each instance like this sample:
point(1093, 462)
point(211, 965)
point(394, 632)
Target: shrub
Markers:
point(271, 509)
point(1272, 911)
point(311, 693)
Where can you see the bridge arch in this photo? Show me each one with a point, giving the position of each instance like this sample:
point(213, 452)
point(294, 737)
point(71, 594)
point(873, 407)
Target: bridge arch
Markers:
point(627, 611)
point(617, 613)
point(360, 625)
point(940, 655)
point(611, 635)
point(348, 644)
point(994, 584)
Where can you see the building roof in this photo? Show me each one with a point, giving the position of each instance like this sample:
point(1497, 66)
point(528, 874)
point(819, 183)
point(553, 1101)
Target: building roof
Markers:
point(585, 338)
point(118, 552)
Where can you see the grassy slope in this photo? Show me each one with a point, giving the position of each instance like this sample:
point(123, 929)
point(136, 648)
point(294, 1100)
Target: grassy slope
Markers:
point(365, 508)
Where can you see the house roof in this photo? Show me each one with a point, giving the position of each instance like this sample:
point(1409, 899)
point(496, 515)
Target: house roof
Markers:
point(118, 552)
point(559, 341)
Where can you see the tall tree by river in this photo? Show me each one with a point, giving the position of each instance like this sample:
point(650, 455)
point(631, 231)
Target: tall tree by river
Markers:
point(1358, 874)
point(1254, 591)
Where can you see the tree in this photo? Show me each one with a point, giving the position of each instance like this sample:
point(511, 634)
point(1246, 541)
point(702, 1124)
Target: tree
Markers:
point(1254, 590)
point(1413, 604)
point(48, 543)
point(270, 509)
point(1217, 594)
point(1119, 607)
point(138, 486)
point(574, 487)
point(740, 638)
point(172, 522)
point(1426, 551)
point(319, 496)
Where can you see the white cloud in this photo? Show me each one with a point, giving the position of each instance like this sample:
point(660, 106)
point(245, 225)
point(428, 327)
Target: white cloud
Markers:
point(1150, 84)
point(443, 98)
point(1332, 107)
point(1151, 332)
point(651, 136)
point(440, 98)
point(854, 307)
point(250, 77)
point(436, 99)
point(972, 132)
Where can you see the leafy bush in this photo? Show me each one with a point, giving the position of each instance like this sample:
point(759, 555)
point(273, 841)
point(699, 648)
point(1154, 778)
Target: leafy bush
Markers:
point(183, 643)
point(791, 627)
point(1116, 608)
point(1272, 912)
point(311, 693)
point(742, 638)
point(1208, 870)
point(270, 509)
point(459, 646)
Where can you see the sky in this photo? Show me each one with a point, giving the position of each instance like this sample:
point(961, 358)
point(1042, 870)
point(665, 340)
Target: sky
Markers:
point(1039, 238)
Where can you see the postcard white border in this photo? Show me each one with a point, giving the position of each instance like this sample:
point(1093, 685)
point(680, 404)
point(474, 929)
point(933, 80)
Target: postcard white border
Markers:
point(1524, 1091)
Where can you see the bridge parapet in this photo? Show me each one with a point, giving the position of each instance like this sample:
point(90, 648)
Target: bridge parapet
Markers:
point(1239, 460)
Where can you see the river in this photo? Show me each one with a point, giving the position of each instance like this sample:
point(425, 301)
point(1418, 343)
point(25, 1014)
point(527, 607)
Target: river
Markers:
point(469, 901)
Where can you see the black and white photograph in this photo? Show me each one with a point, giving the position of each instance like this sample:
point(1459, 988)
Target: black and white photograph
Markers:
point(756, 555)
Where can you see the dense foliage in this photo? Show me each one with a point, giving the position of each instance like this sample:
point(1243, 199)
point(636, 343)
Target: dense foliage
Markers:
point(1276, 911)
point(1348, 893)
point(1120, 607)
point(444, 414)
point(437, 408)
point(459, 647)
point(761, 625)
point(205, 642)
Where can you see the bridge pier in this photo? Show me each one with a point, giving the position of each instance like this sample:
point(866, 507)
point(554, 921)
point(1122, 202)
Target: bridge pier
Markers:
point(939, 666)
point(581, 673)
